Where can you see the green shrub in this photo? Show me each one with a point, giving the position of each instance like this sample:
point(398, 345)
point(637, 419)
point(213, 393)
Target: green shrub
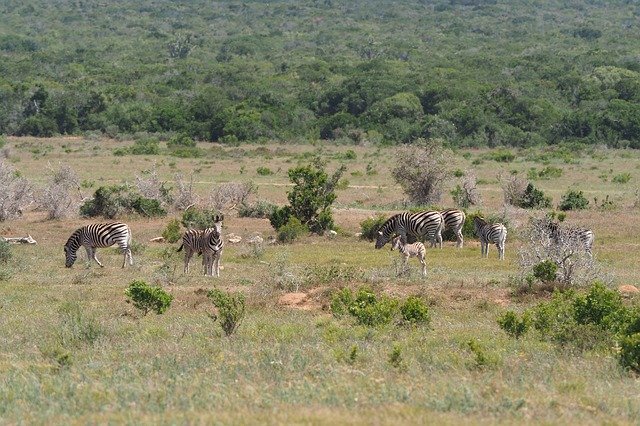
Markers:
point(197, 218)
point(292, 230)
point(483, 358)
point(630, 352)
point(513, 325)
point(261, 209)
point(545, 271)
point(112, 201)
point(76, 327)
point(621, 178)
point(186, 152)
point(395, 357)
point(148, 298)
point(603, 308)
point(148, 146)
point(370, 226)
point(364, 306)
point(147, 207)
point(573, 200)
point(172, 232)
point(415, 310)
point(181, 140)
point(550, 172)
point(231, 309)
point(341, 301)
point(5, 251)
point(280, 216)
point(534, 198)
point(502, 156)
point(264, 171)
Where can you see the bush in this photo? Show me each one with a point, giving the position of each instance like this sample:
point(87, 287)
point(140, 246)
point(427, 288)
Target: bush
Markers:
point(113, 201)
point(181, 140)
point(630, 352)
point(370, 226)
point(264, 171)
point(621, 178)
point(502, 156)
point(467, 194)
point(76, 328)
point(414, 310)
point(230, 194)
point(5, 251)
point(148, 146)
point(197, 218)
point(231, 309)
point(172, 232)
point(365, 306)
point(534, 198)
point(61, 197)
point(16, 194)
point(261, 209)
point(545, 271)
point(603, 308)
point(421, 171)
point(513, 325)
point(290, 231)
point(148, 298)
point(573, 200)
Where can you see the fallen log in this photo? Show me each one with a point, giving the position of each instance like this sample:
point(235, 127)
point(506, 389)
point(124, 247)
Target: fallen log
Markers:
point(20, 240)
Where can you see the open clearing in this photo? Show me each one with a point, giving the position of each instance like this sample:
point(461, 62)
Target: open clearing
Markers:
point(290, 359)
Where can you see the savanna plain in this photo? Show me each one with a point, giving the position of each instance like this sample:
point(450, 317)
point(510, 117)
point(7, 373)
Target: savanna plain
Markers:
point(72, 350)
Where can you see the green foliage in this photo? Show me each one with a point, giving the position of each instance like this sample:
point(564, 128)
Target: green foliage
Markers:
point(231, 309)
point(534, 198)
point(621, 178)
point(292, 230)
point(395, 357)
point(181, 140)
point(148, 298)
point(370, 226)
point(573, 200)
point(264, 171)
point(147, 146)
point(367, 308)
point(545, 271)
point(513, 325)
point(501, 156)
point(415, 310)
point(198, 218)
point(116, 200)
point(482, 358)
point(172, 232)
point(5, 251)
point(261, 209)
point(76, 328)
point(630, 352)
point(602, 307)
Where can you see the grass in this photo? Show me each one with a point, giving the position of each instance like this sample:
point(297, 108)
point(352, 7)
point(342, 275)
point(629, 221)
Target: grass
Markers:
point(295, 365)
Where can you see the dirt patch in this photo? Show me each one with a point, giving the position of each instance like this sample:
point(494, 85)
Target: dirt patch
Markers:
point(302, 301)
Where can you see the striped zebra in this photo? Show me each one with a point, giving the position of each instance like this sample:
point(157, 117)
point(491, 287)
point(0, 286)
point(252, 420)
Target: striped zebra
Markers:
point(98, 235)
point(583, 236)
point(495, 233)
point(206, 242)
point(426, 223)
point(411, 250)
point(454, 219)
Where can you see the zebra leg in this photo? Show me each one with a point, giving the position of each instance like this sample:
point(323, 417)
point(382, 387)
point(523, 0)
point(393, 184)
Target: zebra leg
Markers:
point(187, 258)
point(127, 254)
point(460, 238)
point(216, 264)
point(93, 254)
point(424, 266)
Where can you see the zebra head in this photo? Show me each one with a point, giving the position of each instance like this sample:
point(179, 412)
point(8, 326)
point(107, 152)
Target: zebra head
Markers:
point(395, 242)
point(386, 231)
point(70, 256)
point(478, 223)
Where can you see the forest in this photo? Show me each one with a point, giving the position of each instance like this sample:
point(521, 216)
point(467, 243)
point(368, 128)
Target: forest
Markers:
point(472, 73)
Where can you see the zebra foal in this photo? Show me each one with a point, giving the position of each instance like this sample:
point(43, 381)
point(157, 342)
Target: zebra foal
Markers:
point(454, 219)
point(206, 242)
point(427, 223)
point(416, 249)
point(98, 235)
point(572, 235)
point(495, 233)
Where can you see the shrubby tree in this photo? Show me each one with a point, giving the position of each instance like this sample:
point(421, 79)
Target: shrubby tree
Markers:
point(16, 194)
point(185, 194)
point(150, 186)
point(230, 195)
point(421, 170)
point(61, 197)
point(466, 194)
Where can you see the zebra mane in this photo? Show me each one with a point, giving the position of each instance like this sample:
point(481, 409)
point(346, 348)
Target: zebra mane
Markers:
point(75, 237)
point(390, 223)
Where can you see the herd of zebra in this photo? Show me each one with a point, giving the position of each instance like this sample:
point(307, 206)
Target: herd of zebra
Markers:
point(398, 229)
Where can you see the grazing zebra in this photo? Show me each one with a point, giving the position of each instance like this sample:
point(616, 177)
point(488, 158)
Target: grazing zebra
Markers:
point(416, 249)
point(454, 219)
point(98, 235)
point(490, 233)
point(582, 236)
point(206, 242)
point(426, 223)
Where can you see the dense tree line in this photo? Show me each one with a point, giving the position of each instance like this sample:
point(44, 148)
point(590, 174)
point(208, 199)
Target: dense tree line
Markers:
point(473, 72)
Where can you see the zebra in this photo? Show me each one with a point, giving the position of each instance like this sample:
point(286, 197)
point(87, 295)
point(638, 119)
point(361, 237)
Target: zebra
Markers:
point(98, 235)
point(582, 236)
point(490, 233)
point(416, 249)
point(425, 223)
point(206, 242)
point(454, 219)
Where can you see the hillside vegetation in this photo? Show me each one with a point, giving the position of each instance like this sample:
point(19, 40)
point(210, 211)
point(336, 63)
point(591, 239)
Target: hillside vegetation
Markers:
point(473, 72)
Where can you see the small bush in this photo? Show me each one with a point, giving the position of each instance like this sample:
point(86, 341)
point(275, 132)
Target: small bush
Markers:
point(197, 218)
point(370, 226)
point(231, 309)
point(113, 201)
point(545, 271)
point(181, 141)
point(630, 352)
point(395, 357)
point(573, 200)
point(621, 178)
point(16, 193)
point(61, 197)
point(292, 230)
point(601, 307)
point(534, 198)
point(148, 146)
point(261, 209)
point(550, 172)
point(172, 232)
point(502, 156)
point(414, 310)
point(365, 307)
point(148, 298)
point(513, 325)
point(264, 171)
point(5, 251)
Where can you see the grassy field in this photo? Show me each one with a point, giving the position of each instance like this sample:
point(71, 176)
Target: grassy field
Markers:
point(73, 351)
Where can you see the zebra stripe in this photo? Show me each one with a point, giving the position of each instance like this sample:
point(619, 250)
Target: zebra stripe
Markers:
point(422, 224)
point(582, 236)
point(416, 249)
point(98, 235)
point(206, 242)
point(495, 233)
point(454, 219)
